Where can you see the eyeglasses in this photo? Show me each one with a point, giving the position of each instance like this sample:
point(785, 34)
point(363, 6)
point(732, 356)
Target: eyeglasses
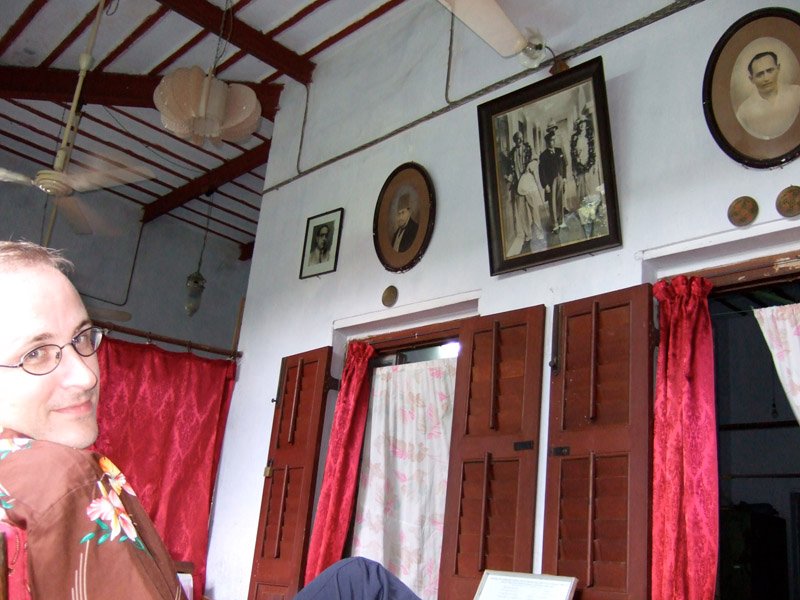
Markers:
point(44, 359)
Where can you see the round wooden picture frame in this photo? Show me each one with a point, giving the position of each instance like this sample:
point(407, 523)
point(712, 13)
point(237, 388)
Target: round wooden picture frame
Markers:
point(769, 41)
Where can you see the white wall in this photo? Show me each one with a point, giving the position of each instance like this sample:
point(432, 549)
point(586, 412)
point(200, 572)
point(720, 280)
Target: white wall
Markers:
point(141, 270)
point(674, 186)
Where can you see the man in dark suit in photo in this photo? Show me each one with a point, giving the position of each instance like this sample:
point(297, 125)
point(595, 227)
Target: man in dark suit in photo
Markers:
point(407, 228)
point(552, 170)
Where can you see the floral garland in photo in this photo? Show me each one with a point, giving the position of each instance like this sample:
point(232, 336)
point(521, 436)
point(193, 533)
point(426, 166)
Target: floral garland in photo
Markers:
point(579, 167)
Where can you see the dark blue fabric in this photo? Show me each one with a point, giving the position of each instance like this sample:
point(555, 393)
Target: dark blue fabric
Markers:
point(356, 579)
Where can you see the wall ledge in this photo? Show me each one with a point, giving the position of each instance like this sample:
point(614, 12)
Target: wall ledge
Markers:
point(411, 314)
point(724, 247)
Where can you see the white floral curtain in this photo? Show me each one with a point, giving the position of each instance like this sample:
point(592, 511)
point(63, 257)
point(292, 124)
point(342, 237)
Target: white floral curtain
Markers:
point(403, 482)
point(781, 328)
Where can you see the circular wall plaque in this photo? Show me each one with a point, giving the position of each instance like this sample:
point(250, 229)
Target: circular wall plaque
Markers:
point(389, 296)
point(788, 202)
point(742, 211)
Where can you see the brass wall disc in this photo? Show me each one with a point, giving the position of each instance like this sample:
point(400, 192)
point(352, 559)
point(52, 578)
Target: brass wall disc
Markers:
point(788, 201)
point(389, 296)
point(742, 211)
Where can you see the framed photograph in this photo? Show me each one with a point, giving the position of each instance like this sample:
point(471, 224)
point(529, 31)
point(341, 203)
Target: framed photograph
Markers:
point(506, 585)
point(548, 170)
point(321, 246)
point(404, 217)
point(751, 89)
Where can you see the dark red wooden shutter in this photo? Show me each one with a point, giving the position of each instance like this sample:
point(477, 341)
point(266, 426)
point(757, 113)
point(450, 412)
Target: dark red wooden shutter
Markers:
point(491, 488)
point(597, 503)
point(290, 477)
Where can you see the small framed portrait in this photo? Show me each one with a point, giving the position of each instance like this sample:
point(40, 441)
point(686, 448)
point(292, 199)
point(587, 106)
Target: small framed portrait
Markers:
point(404, 217)
point(751, 89)
point(321, 245)
point(548, 170)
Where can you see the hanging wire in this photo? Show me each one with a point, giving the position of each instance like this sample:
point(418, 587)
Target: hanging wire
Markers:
point(224, 36)
point(205, 232)
point(161, 156)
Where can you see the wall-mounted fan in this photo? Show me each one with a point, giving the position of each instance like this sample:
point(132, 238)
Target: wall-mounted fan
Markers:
point(101, 173)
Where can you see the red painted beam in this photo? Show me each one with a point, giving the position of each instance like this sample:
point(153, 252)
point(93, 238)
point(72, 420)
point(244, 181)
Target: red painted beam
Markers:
point(19, 26)
point(107, 89)
point(252, 41)
point(58, 85)
point(210, 180)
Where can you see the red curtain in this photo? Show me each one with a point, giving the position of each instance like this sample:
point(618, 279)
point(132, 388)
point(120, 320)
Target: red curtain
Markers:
point(685, 486)
point(337, 496)
point(162, 416)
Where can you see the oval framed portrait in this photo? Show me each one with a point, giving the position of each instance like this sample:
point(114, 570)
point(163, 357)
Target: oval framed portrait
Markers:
point(751, 89)
point(404, 217)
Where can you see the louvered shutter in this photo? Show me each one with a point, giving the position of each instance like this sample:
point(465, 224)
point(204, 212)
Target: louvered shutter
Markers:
point(290, 477)
point(598, 467)
point(491, 489)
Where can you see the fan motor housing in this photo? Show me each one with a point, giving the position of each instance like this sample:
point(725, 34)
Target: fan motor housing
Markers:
point(53, 183)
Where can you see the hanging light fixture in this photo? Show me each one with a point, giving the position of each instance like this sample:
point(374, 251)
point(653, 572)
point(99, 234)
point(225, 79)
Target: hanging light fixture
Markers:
point(196, 106)
point(195, 282)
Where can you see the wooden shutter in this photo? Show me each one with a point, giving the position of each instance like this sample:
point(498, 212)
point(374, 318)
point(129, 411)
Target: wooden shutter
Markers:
point(290, 477)
point(491, 488)
point(597, 503)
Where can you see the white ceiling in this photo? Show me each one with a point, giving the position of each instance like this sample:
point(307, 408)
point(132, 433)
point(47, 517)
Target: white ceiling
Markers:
point(270, 41)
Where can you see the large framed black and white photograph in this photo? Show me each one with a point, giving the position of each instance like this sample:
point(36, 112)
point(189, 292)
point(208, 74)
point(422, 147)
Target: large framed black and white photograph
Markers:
point(321, 244)
point(548, 170)
point(751, 89)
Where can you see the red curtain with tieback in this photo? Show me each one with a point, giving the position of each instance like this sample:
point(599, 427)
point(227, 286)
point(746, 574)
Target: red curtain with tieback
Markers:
point(162, 416)
point(685, 485)
point(338, 493)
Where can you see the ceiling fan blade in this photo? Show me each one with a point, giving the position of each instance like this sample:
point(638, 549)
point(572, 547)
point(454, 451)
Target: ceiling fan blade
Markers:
point(70, 207)
point(12, 177)
point(101, 313)
point(490, 23)
point(84, 220)
point(105, 177)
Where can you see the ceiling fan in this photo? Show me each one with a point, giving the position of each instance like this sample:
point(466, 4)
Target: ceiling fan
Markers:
point(60, 184)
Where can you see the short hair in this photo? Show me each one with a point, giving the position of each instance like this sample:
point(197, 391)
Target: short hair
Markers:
point(19, 254)
point(761, 55)
point(404, 202)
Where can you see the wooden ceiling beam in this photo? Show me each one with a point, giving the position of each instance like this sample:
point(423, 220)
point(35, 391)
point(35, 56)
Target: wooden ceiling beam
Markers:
point(58, 85)
point(207, 182)
point(107, 89)
point(243, 36)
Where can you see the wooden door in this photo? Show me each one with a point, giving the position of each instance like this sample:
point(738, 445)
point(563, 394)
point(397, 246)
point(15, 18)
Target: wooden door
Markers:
point(491, 488)
point(597, 504)
point(290, 477)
